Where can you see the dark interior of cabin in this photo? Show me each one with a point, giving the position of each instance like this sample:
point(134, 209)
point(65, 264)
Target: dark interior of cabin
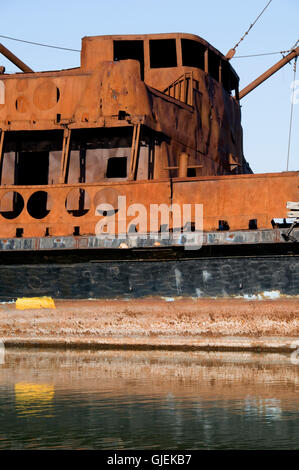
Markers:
point(193, 54)
point(123, 50)
point(162, 53)
point(26, 163)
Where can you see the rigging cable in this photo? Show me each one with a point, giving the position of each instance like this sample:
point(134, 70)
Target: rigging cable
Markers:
point(291, 117)
point(261, 54)
point(252, 25)
point(232, 51)
point(40, 44)
point(78, 50)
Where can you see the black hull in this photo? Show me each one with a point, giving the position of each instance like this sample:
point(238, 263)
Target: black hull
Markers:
point(217, 271)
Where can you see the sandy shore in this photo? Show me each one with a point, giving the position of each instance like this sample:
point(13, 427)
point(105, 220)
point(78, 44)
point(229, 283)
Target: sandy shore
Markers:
point(181, 324)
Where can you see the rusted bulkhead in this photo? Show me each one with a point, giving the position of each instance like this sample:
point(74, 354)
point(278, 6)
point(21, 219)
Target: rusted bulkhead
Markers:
point(118, 126)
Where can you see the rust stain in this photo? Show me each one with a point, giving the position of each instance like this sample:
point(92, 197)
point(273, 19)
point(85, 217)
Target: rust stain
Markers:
point(155, 118)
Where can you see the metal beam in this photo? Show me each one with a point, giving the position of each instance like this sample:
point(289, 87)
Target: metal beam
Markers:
point(14, 59)
point(269, 72)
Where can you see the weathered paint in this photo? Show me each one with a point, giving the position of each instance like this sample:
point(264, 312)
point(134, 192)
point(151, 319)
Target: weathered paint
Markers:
point(163, 120)
point(218, 238)
point(178, 109)
point(90, 276)
point(236, 199)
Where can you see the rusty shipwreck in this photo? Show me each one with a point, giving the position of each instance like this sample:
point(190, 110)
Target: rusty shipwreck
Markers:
point(155, 118)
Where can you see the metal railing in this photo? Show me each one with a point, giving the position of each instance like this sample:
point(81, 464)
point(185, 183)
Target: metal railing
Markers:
point(182, 88)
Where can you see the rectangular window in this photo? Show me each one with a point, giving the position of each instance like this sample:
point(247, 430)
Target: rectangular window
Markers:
point(226, 76)
point(162, 53)
point(91, 150)
point(117, 167)
point(123, 50)
point(32, 168)
point(234, 84)
point(193, 54)
point(214, 65)
point(27, 161)
point(27, 157)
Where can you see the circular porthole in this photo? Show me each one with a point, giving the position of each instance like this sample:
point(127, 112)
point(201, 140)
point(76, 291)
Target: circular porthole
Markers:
point(22, 104)
point(106, 201)
point(77, 202)
point(46, 95)
point(11, 205)
point(37, 205)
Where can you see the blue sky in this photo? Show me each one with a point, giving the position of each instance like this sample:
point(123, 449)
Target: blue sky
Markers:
point(265, 111)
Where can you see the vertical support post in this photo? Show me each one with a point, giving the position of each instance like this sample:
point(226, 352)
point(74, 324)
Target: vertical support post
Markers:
point(183, 165)
point(180, 90)
point(65, 154)
point(191, 89)
point(151, 160)
point(179, 52)
point(207, 60)
point(1, 153)
point(134, 151)
point(82, 158)
point(184, 88)
point(146, 57)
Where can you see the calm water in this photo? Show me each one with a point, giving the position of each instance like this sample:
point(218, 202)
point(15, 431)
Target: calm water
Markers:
point(148, 400)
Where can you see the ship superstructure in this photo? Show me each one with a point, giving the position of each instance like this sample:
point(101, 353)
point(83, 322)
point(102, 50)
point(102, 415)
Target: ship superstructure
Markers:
point(153, 118)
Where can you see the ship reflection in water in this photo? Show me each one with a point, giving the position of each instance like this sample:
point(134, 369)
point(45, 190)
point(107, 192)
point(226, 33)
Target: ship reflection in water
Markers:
point(34, 399)
point(148, 400)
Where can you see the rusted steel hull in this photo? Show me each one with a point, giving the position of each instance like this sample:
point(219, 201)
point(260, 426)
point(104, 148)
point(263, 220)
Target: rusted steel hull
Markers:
point(236, 199)
point(219, 269)
point(154, 120)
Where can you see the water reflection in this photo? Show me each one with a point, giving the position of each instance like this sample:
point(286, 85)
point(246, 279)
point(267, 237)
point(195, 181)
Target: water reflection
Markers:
point(270, 408)
point(34, 399)
point(155, 400)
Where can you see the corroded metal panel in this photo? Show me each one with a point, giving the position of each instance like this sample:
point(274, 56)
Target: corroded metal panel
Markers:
point(198, 278)
point(156, 243)
point(167, 109)
point(238, 199)
point(59, 218)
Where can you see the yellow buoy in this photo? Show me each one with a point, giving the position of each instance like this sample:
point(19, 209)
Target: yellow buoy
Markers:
point(34, 302)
